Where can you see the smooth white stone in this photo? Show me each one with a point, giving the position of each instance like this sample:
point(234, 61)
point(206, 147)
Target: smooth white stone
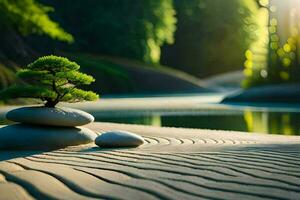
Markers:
point(28, 137)
point(50, 116)
point(119, 139)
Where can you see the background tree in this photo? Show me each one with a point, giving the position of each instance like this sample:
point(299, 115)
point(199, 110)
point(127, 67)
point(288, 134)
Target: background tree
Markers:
point(132, 28)
point(29, 16)
point(19, 19)
point(211, 36)
point(52, 79)
point(279, 51)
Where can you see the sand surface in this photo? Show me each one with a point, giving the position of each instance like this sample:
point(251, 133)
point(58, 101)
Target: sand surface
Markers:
point(174, 163)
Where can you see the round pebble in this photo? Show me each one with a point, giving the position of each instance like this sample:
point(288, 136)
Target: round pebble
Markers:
point(113, 139)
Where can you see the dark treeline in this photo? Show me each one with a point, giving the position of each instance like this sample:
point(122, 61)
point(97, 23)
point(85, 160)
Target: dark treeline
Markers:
point(193, 36)
point(201, 37)
point(211, 36)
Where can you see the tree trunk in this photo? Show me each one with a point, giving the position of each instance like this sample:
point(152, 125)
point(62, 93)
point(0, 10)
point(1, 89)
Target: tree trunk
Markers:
point(51, 104)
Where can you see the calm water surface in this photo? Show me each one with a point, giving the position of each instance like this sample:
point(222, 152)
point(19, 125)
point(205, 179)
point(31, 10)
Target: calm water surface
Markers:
point(264, 118)
point(278, 121)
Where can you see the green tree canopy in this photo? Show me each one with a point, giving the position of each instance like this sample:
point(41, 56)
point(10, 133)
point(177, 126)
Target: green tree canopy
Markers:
point(212, 35)
point(132, 28)
point(51, 79)
point(19, 19)
point(29, 16)
point(275, 58)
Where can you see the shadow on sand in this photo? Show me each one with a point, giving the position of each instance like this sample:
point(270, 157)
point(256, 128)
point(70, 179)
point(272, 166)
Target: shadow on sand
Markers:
point(8, 155)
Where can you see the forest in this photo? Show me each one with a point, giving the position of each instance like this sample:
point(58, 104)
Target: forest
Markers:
point(200, 38)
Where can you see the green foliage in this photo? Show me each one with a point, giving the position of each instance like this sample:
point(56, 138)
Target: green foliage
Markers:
point(52, 79)
point(133, 28)
point(29, 17)
point(53, 63)
point(279, 51)
point(7, 76)
point(25, 91)
point(282, 65)
point(211, 36)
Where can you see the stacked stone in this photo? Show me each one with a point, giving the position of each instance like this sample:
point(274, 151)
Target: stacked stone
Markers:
point(46, 128)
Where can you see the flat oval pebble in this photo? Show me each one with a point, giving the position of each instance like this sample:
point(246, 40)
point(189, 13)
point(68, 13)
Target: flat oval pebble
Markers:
point(27, 137)
point(50, 116)
point(113, 139)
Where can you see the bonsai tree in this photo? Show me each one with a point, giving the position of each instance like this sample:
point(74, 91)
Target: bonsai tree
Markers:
point(52, 79)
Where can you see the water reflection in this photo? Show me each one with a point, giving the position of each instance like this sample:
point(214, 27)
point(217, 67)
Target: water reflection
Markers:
point(260, 122)
point(273, 122)
point(285, 123)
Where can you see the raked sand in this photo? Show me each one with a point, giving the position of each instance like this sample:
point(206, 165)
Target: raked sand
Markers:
point(174, 163)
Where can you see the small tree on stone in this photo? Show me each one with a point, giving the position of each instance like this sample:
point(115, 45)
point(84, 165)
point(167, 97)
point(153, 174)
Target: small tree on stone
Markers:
point(52, 79)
